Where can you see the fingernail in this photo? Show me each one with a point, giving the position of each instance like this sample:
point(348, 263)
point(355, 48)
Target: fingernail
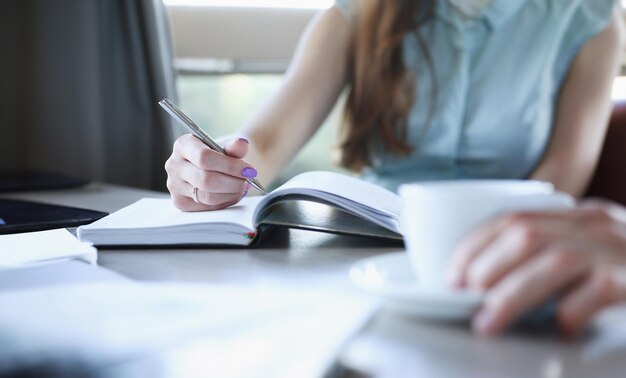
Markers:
point(249, 172)
point(244, 140)
point(483, 323)
point(245, 193)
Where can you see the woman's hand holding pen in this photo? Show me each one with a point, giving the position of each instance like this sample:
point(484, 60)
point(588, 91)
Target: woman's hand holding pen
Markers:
point(219, 179)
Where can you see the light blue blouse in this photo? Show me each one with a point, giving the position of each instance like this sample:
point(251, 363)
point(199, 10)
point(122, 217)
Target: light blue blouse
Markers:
point(498, 78)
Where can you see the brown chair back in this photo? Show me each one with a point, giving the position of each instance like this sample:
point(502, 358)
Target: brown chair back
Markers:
point(609, 180)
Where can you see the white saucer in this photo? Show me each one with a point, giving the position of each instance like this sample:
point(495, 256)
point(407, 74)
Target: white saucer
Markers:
point(390, 278)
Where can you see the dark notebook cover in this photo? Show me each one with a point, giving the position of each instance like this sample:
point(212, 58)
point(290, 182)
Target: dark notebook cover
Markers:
point(318, 216)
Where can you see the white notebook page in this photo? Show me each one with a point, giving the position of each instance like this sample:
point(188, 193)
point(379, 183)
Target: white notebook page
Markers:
point(366, 200)
point(357, 190)
point(161, 212)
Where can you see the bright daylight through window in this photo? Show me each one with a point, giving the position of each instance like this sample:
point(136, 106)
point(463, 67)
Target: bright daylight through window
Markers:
point(222, 79)
point(301, 4)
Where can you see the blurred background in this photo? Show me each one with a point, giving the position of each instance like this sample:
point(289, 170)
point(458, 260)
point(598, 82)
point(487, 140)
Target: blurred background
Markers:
point(83, 77)
point(230, 56)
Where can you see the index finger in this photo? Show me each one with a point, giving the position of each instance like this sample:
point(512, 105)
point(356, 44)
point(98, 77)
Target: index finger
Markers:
point(486, 256)
point(470, 247)
point(479, 240)
point(203, 157)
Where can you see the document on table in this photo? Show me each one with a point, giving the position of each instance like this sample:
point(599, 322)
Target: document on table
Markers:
point(34, 247)
point(179, 330)
point(66, 272)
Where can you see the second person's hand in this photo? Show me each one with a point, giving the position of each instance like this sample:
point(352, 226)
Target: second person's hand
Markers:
point(220, 179)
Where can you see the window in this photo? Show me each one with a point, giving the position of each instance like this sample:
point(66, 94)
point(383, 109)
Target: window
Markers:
point(231, 54)
point(221, 103)
point(295, 4)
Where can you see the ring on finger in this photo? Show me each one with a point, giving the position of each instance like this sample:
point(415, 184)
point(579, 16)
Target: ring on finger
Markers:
point(194, 194)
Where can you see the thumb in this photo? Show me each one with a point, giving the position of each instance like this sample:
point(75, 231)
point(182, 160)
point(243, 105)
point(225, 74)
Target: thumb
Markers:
point(237, 148)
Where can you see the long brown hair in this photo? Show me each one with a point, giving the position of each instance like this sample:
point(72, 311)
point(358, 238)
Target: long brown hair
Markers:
point(381, 87)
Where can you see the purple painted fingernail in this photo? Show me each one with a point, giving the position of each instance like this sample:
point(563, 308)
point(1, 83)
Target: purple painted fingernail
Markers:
point(244, 140)
point(249, 172)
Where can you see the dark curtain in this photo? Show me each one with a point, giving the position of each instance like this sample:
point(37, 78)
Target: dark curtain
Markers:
point(79, 86)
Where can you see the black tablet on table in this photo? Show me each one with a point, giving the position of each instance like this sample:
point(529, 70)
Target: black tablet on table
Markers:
point(25, 216)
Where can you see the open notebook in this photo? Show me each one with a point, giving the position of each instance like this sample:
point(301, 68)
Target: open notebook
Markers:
point(158, 222)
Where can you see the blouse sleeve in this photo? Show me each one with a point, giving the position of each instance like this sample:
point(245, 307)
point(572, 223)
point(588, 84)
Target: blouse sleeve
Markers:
point(591, 18)
point(347, 8)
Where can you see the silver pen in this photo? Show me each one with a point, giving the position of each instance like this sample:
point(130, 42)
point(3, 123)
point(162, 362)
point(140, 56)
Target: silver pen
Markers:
point(196, 131)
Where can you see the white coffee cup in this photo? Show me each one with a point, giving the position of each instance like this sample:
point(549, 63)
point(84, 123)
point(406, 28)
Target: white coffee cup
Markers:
point(437, 215)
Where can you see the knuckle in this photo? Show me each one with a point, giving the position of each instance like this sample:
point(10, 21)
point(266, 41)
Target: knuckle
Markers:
point(561, 257)
point(177, 145)
point(526, 235)
point(478, 279)
point(608, 235)
point(180, 202)
point(203, 157)
point(503, 304)
point(509, 220)
point(473, 275)
point(604, 285)
point(169, 165)
point(170, 185)
point(517, 219)
point(210, 199)
point(206, 180)
point(186, 138)
point(217, 201)
point(181, 143)
point(600, 212)
point(231, 165)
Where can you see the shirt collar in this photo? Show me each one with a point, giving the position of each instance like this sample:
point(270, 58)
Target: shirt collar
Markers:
point(500, 11)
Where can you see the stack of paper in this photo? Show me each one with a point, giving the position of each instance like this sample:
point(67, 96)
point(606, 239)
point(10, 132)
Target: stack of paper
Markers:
point(35, 247)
